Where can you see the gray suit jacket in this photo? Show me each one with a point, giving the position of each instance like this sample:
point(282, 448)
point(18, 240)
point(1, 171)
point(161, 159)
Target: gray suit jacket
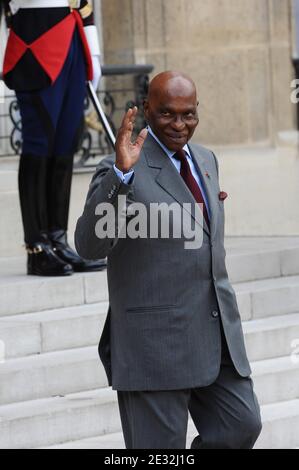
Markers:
point(161, 331)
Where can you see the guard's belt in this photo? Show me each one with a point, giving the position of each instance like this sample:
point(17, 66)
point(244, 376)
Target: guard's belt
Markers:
point(15, 5)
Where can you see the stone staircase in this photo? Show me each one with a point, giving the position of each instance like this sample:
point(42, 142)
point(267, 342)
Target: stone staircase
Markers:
point(53, 389)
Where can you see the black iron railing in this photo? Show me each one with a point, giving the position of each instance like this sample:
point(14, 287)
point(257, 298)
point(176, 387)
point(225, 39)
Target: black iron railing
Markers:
point(122, 87)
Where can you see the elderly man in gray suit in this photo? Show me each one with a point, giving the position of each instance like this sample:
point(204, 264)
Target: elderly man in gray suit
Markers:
point(173, 339)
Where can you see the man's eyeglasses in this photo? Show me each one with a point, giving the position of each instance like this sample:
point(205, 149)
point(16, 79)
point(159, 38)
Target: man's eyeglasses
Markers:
point(188, 118)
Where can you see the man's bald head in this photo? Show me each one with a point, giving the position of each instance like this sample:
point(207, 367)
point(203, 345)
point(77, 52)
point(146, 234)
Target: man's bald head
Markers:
point(172, 84)
point(171, 108)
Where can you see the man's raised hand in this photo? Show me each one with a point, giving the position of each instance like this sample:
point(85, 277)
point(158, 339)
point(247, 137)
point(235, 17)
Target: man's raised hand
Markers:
point(127, 152)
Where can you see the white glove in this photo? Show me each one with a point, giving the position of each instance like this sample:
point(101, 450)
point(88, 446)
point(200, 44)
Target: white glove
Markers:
point(14, 6)
point(97, 71)
point(94, 47)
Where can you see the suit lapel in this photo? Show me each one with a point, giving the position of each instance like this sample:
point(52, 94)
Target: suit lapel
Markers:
point(169, 179)
point(207, 182)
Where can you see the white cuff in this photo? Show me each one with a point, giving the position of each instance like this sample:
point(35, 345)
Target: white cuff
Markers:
point(92, 37)
point(14, 6)
point(124, 177)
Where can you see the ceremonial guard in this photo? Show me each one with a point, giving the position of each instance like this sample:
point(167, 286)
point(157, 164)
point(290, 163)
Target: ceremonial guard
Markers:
point(52, 50)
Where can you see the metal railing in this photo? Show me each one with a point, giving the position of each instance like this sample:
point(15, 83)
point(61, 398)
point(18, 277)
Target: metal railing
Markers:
point(122, 87)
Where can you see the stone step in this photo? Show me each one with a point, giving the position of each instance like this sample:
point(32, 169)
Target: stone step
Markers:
point(80, 369)
point(268, 297)
point(25, 294)
point(107, 441)
point(248, 258)
point(56, 420)
point(52, 330)
point(261, 258)
point(80, 326)
point(280, 422)
point(113, 441)
point(280, 426)
point(271, 337)
point(51, 374)
point(276, 380)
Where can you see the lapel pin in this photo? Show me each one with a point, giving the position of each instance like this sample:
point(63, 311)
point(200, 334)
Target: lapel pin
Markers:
point(207, 174)
point(222, 196)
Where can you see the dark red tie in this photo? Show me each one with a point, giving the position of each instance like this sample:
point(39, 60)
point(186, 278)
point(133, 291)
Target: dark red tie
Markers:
point(191, 182)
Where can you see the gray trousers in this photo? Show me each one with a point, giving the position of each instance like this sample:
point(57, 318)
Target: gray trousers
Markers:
point(226, 414)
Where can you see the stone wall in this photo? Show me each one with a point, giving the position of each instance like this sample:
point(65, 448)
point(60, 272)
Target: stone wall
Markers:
point(237, 51)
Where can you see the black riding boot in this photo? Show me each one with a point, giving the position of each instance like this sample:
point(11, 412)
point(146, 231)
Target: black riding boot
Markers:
point(65, 252)
point(32, 193)
point(58, 199)
point(42, 261)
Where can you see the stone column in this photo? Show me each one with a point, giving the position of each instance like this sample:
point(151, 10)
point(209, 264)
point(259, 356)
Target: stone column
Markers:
point(238, 52)
point(118, 31)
